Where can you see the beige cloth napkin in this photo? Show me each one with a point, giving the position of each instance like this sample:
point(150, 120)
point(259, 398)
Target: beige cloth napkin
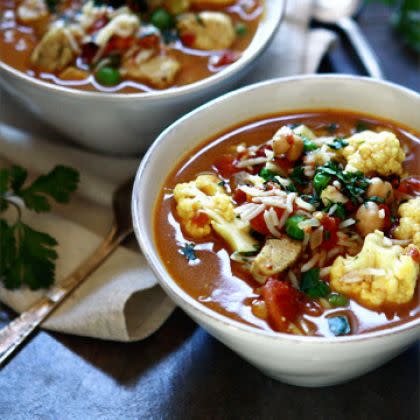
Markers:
point(121, 300)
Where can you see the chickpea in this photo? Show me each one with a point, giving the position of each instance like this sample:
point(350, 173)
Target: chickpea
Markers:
point(379, 188)
point(368, 219)
point(286, 142)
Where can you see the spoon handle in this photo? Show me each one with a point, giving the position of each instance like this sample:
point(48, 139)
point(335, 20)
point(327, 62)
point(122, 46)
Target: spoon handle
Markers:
point(362, 47)
point(16, 332)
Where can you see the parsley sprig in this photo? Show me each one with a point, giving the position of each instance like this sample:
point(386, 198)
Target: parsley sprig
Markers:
point(27, 256)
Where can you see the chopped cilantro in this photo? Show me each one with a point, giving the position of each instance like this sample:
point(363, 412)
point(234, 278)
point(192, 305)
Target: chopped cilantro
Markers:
point(267, 174)
point(354, 184)
point(340, 210)
point(188, 251)
point(298, 176)
point(308, 145)
point(338, 143)
point(312, 285)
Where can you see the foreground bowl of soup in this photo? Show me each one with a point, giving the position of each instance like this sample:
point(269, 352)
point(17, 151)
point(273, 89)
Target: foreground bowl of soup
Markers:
point(289, 228)
point(112, 75)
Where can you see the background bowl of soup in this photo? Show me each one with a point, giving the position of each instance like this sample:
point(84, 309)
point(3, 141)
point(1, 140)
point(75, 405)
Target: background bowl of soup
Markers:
point(123, 119)
point(298, 360)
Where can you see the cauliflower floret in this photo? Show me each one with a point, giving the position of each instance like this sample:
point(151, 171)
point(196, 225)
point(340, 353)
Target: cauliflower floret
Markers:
point(56, 50)
point(409, 227)
point(203, 204)
point(209, 30)
point(122, 25)
point(369, 152)
point(380, 274)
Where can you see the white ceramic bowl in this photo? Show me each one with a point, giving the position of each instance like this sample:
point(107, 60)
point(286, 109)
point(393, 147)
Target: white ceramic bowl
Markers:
point(306, 361)
point(128, 123)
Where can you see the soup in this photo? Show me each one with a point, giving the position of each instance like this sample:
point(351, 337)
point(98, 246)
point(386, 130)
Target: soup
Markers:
point(125, 46)
point(305, 223)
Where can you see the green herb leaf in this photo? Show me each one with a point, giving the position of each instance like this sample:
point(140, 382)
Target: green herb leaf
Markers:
point(339, 325)
point(27, 256)
point(57, 184)
point(340, 210)
point(338, 143)
point(188, 251)
point(312, 285)
point(298, 176)
point(308, 145)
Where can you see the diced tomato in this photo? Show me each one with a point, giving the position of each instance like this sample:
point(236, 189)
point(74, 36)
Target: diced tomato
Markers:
point(239, 196)
point(259, 225)
point(149, 42)
point(88, 52)
point(228, 57)
point(414, 253)
point(225, 166)
point(98, 24)
point(188, 39)
point(330, 225)
point(283, 303)
point(200, 219)
point(387, 219)
point(409, 185)
point(284, 164)
point(258, 222)
point(117, 43)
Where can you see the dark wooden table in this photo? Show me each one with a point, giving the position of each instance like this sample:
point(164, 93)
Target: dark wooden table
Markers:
point(182, 372)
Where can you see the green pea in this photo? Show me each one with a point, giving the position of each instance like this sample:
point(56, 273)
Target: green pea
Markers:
point(108, 76)
point(292, 228)
point(241, 29)
point(162, 19)
point(320, 182)
point(336, 299)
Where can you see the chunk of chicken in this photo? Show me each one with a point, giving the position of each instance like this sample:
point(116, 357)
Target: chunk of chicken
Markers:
point(275, 257)
point(56, 50)
point(158, 71)
point(207, 30)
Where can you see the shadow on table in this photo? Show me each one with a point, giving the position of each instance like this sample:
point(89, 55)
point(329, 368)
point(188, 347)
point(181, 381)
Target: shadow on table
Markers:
point(126, 362)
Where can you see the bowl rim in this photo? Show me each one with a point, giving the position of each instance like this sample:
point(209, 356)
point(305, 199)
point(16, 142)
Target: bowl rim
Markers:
point(185, 90)
point(170, 285)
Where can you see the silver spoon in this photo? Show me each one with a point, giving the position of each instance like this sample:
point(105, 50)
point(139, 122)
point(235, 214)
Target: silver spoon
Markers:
point(15, 333)
point(339, 12)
